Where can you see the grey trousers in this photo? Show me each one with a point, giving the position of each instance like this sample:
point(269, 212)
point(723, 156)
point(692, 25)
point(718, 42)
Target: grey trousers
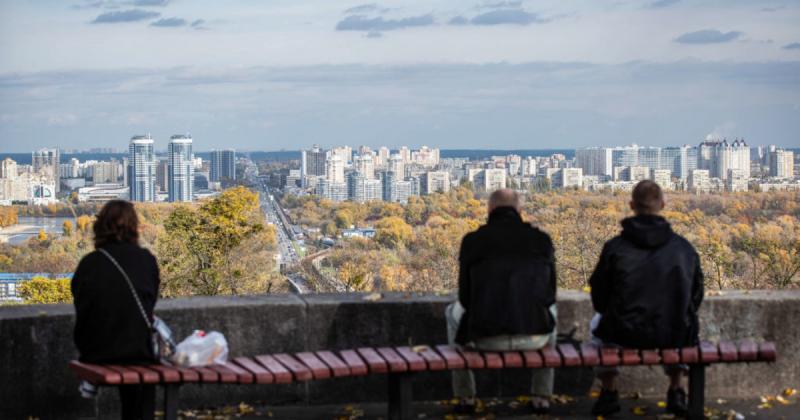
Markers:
point(464, 380)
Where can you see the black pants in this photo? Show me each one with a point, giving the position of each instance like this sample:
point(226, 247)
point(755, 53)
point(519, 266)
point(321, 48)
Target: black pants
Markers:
point(138, 401)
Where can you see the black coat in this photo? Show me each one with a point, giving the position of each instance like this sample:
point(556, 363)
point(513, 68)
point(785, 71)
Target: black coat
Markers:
point(648, 286)
point(507, 279)
point(108, 325)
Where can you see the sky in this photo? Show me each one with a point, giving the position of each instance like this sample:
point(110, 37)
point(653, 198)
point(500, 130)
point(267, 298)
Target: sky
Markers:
point(287, 74)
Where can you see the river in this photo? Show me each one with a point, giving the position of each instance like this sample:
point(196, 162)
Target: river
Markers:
point(29, 226)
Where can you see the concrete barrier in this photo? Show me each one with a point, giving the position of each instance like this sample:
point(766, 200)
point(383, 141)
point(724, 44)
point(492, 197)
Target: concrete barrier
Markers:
point(37, 343)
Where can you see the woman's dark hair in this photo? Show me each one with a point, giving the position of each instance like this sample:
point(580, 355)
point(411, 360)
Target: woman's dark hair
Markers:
point(117, 222)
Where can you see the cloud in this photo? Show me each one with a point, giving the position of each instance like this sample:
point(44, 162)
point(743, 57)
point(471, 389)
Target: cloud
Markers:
point(363, 23)
point(660, 4)
point(792, 46)
point(62, 119)
point(172, 22)
point(507, 16)
point(132, 15)
point(198, 22)
point(148, 3)
point(707, 36)
point(501, 5)
point(374, 34)
point(458, 20)
point(365, 8)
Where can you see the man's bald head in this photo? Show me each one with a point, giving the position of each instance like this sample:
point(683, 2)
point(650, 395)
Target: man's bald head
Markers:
point(504, 197)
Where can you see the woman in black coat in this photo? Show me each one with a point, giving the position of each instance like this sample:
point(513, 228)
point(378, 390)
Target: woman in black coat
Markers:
point(109, 327)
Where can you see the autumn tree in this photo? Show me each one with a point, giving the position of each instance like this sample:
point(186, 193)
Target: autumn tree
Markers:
point(393, 232)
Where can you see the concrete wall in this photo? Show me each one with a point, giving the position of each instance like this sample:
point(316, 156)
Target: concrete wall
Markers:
point(37, 343)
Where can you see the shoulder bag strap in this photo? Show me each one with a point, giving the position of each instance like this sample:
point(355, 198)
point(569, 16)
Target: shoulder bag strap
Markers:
point(130, 286)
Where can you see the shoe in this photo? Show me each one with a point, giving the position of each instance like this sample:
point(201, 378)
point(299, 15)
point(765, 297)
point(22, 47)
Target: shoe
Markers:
point(540, 405)
point(676, 402)
point(607, 403)
point(465, 407)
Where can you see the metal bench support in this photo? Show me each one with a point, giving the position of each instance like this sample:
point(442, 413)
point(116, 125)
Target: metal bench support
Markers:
point(400, 396)
point(697, 385)
point(171, 401)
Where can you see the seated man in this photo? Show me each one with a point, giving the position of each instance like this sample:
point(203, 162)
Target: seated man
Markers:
point(646, 290)
point(506, 295)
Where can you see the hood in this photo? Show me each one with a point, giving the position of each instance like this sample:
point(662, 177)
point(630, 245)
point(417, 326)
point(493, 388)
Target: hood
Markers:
point(504, 214)
point(647, 231)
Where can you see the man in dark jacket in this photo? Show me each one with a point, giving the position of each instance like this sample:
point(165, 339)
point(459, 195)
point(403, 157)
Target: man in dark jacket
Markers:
point(646, 290)
point(506, 295)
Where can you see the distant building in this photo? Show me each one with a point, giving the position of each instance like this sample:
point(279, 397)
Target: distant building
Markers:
point(334, 170)
point(312, 163)
point(162, 177)
point(106, 172)
point(781, 164)
point(718, 156)
point(334, 191)
point(594, 160)
point(100, 193)
point(564, 178)
point(662, 177)
point(362, 189)
point(223, 165)
point(490, 179)
point(435, 181)
point(142, 169)
point(180, 175)
point(699, 181)
point(736, 181)
point(47, 163)
point(365, 165)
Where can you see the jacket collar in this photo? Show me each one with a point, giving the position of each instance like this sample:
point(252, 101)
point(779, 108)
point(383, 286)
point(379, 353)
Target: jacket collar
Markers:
point(504, 214)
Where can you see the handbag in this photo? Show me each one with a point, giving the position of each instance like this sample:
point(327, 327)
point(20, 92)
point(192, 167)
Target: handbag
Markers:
point(160, 334)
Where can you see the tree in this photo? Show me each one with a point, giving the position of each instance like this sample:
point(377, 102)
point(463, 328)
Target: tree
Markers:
point(84, 222)
point(66, 227)
point(44, 290)
point(8, 216)
point(393, 232)
point(42, 236)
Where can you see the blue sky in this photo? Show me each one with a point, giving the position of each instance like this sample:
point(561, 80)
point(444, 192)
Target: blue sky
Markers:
point(281, 74)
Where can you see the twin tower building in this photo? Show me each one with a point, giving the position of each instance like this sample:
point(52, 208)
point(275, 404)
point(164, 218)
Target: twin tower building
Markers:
point(142, 168)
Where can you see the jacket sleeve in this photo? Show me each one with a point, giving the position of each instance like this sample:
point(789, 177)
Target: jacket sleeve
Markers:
point(600, 281)
point(551, 253)
point(697, 283)
point(463, 274)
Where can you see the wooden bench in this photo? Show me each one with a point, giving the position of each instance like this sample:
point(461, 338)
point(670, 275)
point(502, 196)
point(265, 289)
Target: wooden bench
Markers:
point(400, 363)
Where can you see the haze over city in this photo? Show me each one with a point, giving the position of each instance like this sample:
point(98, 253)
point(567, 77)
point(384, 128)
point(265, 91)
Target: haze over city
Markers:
point(513, 74)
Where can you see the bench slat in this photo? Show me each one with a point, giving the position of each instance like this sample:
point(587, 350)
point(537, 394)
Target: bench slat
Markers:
point(298, 369)
point(243, 376)
point(550, 356)
point(532, 359)
point(374, 360)
point(690, 355)
point(569, 354)
point(128, 376)
point(708, 352)
point(169, 375)
point(260, 375)
point(512, 359)
point(609, 356)
point(147, 376)
point(473, 359)
point(226, 375)
point(188, 375)
point(435, 362)
point(452, 357)
point(337, 366)
point(317, 367)
point(95, 374)
point(354, 362)
point(727, 351)
point(279, 372)
point(206, 375)
point(396, 363)
point(590, 354)
point(415, 361)
point(767, 352)
point(650, 357)
point(493, 359)
point(748, 351)
point(631, 357)
point(670, 356)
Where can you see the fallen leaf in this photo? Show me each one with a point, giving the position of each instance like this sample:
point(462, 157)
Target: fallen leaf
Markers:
point(634, 396)
point(419, 349)
point(721, 401)
point(782, 400)
point(373, 297)
point(765, 406)
point(523, 399)
point(639, 410)
point(661, 404)
point(788, 392)
point(245, 409)
point(587, 289)
point(594, 394)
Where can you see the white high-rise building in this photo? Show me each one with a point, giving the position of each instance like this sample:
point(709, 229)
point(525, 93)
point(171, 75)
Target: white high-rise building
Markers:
point(8, 169)
point(699, 181)
point(334, 169)
point(142, 169)
point(781, 163)
point(365, 165)
point(719, 156)
point(662, 177)
point(382, 158)
point(491, 179)
point(435, 181)
point(397, 165)
point(566, 177)
point(595, 161)
point(180, 175)
point(736, 181)
point(47, 163)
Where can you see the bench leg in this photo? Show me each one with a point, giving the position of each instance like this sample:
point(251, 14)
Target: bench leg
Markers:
point(400, 396)
point(697, 385)
point(171, 401)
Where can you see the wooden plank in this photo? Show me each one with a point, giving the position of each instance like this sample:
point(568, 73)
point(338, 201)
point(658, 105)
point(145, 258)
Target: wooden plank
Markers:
point(226, 375)
point(317, 367)
point(279, 372)
point(374, 361)
point(337, 366)
point(243, 376)
point(631, 357)
point(435, 362)
point(148, 376)
point(650, 357)
point(493, 359)
point(709, 353)
point(206, 375)
point(767, 352)
point(188, 375)
point(609, 356)
point(728, 352)
point(128, 376)
point(590, 354)
point(473, 359)
point(451, 357)
point(169, 375)
point(748, 351)
point(415, 362)
point(690, 355)
point(670, 356)
point(298, 369)
point(569, 354)
point(513, 359)
point(95, 374)
point(354, 362)
point(550, 356)
point(260, 374)
point(532, 359)
point(396, 363)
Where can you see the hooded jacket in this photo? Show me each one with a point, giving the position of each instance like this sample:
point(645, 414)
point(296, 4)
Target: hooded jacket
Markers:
point(648, 286)
point(507, 279)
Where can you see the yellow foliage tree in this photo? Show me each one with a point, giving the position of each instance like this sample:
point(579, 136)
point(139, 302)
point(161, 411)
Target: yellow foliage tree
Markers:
point(44, 290)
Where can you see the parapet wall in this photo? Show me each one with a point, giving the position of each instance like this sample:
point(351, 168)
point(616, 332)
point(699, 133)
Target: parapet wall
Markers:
point(37, 344)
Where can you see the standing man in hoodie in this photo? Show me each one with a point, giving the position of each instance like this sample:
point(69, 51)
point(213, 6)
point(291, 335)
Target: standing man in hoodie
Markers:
point(646, 290)
point(506, 296)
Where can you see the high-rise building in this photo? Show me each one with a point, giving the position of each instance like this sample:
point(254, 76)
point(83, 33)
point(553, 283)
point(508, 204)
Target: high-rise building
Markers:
point(781, 164)
point(736, 181)
point(566, 178)
point(382, 158)
point(334, 191)
point(47, 162)
point(365, 165)
point(142, 169)
point(162, 177)
point(180, 175)
point(106, 172)
point(362, 189)
point(435, 181)
point(718, 156)
point(223, 165)
point(595, 161)
point(8, 169)
point(397, 166)
point(312, 162)
point(699, 181)
point(490, 179)
point(662, 177)
point(334, 169)
point(426, 156)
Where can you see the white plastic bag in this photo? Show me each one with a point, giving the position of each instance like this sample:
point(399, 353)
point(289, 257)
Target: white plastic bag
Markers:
point(201, 349)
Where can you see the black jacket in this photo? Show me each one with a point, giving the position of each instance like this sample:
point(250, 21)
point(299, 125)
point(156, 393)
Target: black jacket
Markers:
point(648, 286)
point(507, 279)
point(108, 325)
